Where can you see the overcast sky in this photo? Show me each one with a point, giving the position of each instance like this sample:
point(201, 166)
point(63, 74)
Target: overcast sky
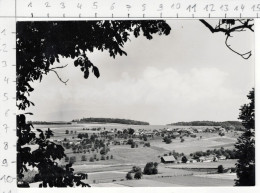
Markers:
point(186, 76)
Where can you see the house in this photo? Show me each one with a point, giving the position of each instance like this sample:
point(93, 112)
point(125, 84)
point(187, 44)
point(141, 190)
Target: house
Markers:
point(149, 134)
point(175, 134)
point(222, 157)
point(193, 161)
point(168, 159)
point(202, 158)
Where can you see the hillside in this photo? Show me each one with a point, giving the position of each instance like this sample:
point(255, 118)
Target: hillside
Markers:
point(110, 120)
point(226, 124)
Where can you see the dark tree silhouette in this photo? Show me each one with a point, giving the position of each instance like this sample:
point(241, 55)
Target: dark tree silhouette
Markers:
point(228, 27)
point(245, 146)
point(39, 46)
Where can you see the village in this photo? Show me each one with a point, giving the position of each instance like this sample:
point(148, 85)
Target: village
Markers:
point(90, 142)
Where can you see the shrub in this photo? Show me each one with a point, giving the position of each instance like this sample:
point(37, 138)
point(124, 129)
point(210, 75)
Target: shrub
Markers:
point(129, 176)
point(151, 168)
point(102, 157)
point(83, 158)
point(111, 157)
point(147, 144)
point(182, 140)
point(220, 169)
point(167, 140)
point(72, 159)
point(184, 159)
point(133, 145)
point(91, 159)
point(130, 141)
point(103, 151)
point(155, 171)
point(138, 175)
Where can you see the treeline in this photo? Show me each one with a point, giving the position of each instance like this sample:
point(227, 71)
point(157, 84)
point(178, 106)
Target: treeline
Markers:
point(225, 124)
point(110, 120)
point(48, 123)
point(228, 153)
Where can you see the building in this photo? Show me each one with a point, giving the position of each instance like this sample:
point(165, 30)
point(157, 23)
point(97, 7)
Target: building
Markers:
point(202, 158)
point(168, 159)
point(175, 134)
point(222, 157)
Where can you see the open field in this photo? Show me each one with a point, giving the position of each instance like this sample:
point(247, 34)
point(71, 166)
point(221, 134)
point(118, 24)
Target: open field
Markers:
point(225, 163)
point(191, 145)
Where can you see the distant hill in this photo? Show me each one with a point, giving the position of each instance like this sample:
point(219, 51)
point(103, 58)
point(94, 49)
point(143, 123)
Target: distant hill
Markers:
point(110, 120)
point(49, 122)
point(225, 124)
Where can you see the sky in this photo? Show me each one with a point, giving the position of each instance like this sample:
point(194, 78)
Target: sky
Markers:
point(188, 75)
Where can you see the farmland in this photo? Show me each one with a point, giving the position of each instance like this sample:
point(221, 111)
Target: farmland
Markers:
point(106, 152)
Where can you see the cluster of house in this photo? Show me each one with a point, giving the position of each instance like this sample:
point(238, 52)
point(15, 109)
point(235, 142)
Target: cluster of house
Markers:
point(210, 158)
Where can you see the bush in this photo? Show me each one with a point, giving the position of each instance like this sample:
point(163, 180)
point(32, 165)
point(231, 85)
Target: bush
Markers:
point(129, 176)
point(72, 159)
point(138, 175)
point(151, 168)
point(103, 151)
point(167, 140)
point(182, 140)
point(130, 141)
point(91, 159)
point(83, 158)
point(102, 157)
point(133, 145)
point(111, 157)
point(184, 159)
point(155, 171)
point(147, 144)
point(220, 169)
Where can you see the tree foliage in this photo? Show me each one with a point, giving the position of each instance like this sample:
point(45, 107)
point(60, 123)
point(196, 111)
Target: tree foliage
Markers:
point(245, 146)
point(40, 45)
point(151, 168)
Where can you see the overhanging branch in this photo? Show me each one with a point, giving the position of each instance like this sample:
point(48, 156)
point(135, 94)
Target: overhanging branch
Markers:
point(227, 27)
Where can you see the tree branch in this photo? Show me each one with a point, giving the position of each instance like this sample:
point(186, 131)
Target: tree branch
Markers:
point(227, 30)
point(245, 55)
point(65, 82)
point(59, 67)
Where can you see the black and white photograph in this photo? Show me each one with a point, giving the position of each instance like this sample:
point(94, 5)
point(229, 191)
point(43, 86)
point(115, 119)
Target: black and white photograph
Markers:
point(135, 103)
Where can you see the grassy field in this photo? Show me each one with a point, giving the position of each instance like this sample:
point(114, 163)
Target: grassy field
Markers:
point(191, 145)
point(178, 181)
